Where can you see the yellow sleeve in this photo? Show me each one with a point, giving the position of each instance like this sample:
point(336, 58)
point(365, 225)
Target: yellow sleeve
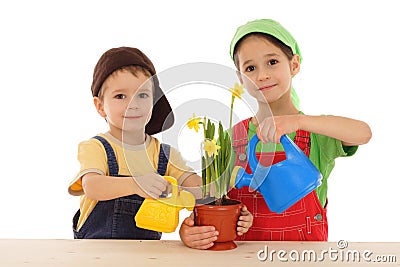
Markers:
point(92, 158)
point(177, 166)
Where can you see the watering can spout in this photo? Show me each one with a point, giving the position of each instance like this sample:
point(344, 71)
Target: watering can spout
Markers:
point(240, 178)
point(282, 184)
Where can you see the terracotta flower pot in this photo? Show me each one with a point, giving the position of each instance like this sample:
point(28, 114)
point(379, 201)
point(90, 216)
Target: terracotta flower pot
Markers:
point(224, 218)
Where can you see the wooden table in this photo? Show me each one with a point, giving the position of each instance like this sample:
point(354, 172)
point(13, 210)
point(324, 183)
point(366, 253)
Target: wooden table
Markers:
point(41, 253)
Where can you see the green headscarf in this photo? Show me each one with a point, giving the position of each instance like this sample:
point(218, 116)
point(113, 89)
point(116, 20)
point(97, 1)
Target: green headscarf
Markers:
point(273, 28)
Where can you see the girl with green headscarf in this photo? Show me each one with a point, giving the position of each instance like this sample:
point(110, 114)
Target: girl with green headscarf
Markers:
point(267, 58)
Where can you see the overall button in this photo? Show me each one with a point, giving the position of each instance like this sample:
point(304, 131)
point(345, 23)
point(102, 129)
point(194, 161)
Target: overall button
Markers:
point(242, 157)
point(318, 217)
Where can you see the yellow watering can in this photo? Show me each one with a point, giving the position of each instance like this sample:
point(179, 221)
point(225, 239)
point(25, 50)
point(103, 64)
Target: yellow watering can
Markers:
point(162, 215)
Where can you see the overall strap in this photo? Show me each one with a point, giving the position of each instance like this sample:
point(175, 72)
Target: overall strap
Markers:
point(239, 140)
point(163, 158)
point(303, 141)
point(239, 133)
point(111, 158)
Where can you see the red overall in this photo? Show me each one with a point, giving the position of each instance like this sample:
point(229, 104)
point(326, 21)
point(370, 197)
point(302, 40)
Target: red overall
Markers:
point(305, 220)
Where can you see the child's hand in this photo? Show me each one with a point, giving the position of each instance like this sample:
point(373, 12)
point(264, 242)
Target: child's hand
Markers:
point(150, 185)
point(198, 237)
point(272, 128)
point(245, 221)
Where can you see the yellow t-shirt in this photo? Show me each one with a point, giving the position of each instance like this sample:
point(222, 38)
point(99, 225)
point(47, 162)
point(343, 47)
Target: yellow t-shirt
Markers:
point(132, 161)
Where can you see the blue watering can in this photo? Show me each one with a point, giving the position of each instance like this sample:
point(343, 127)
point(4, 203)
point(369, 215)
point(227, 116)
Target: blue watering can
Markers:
point(282, 184)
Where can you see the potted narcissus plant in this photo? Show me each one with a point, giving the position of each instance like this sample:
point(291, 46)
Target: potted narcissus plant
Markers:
point(215, 208)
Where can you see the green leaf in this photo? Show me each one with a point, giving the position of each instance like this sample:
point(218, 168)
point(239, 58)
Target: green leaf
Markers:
point(203, 170)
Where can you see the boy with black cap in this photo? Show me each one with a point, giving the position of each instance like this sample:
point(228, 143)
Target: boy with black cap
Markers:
point(123, 166)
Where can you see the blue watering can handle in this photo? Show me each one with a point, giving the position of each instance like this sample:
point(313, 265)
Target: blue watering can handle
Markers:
point(291, 149)
point(287, 143)
point(253, 162)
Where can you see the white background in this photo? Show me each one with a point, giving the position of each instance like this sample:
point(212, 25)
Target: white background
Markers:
point(48, 50)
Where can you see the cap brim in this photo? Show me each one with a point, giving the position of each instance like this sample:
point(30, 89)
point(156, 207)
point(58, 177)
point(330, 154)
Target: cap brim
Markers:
point(162, 117)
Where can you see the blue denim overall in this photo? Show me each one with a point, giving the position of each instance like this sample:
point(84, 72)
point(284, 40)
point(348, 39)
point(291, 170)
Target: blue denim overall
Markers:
point(114, 219)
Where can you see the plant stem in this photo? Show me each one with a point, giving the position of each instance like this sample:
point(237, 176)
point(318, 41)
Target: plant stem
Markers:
point(208, 177)
point(230, 115)
point(217, 178)
point(204, 128)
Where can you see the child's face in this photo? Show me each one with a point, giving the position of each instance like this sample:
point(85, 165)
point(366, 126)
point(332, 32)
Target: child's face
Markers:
point(266, 72)
point(127, 102)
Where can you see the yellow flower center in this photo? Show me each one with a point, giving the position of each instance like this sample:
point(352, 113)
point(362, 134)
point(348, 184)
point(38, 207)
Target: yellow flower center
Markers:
point(193, 123)
point(211, 147)
point(237, 90)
